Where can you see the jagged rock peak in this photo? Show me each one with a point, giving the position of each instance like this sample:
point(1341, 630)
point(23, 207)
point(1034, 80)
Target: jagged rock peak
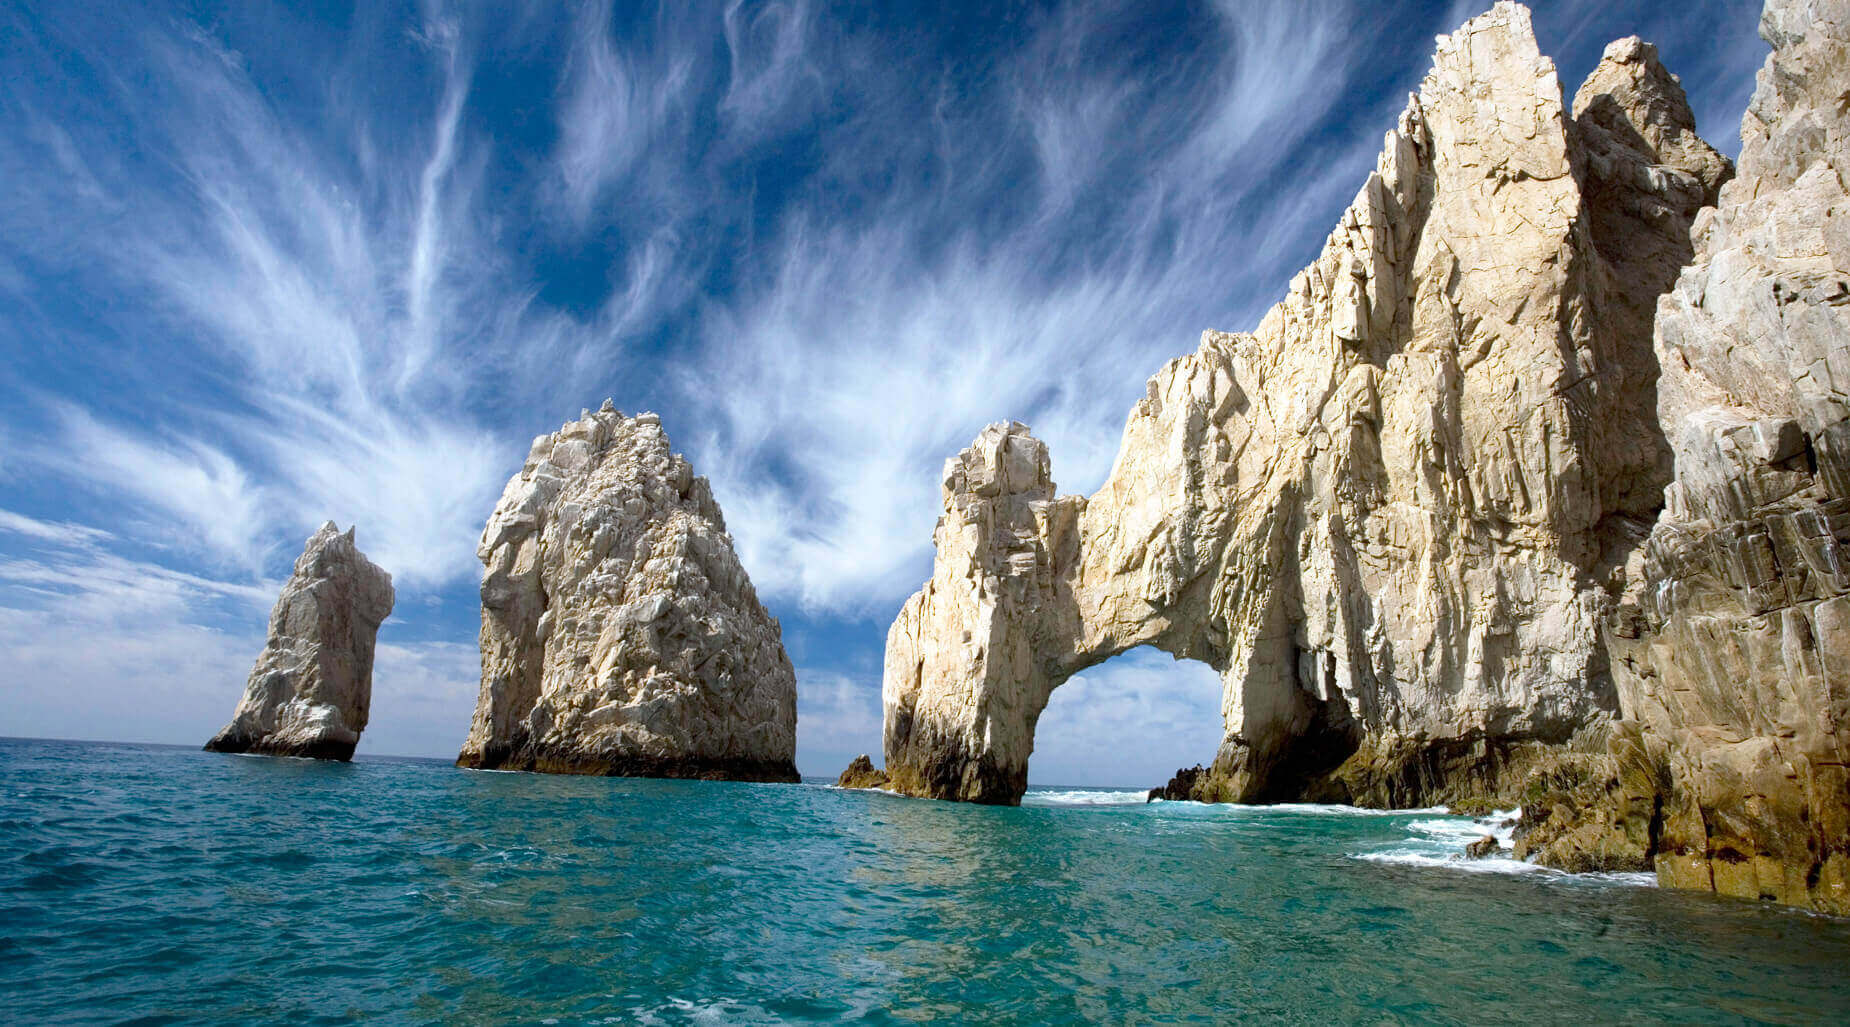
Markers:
point(312, 685)
point(1393, 514)
point(1732, 649)
point(620, 635)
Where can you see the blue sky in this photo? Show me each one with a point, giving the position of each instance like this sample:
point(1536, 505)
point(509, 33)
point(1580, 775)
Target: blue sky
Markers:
point(263, 266)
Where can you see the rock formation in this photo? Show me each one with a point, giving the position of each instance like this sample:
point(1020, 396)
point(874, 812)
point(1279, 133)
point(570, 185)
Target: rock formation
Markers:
point(861, 774)
point(310, 691)
point(620, 635)
point(1395, 515)
point(1732, 650)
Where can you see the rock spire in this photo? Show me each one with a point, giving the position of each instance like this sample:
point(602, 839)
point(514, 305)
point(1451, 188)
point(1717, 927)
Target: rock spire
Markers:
point(312, 686)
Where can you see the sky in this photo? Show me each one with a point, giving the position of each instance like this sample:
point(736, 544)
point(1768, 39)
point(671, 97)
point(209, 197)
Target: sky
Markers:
point(266, 265)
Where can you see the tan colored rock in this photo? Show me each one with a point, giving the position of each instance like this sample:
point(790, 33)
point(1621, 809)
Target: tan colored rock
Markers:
point(620, 635)
point(861, 774)
point(312, 686)
point(1393, 516)
point(1733, 652)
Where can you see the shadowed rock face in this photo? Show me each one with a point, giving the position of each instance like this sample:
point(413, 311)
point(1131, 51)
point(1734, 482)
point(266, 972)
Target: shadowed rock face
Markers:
point(1395, 515)
point(620, 635)
point(1732, 651)
point(310, 691)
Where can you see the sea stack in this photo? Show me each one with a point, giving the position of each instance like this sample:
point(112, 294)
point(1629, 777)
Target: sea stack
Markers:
point(310, 691)
point(620, 635)
point(1394, 515)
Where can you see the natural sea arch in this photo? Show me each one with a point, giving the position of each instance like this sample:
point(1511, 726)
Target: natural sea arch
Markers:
point(1129, 721)
point(1030, 589)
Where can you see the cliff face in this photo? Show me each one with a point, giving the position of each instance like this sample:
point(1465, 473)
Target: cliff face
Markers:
point(1395, 515)
point(309, 693)
point(1732, 654)
point(620, 635)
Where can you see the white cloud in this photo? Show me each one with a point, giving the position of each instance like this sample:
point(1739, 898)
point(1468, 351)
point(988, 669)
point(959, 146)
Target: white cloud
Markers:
point(1133, 720)
point(344, 319)
point(203, 500)
point(58, 532)
point(835, 714)
point(618, 105)
point(880, 345)
point(422, 696)
point(100, 646)
point(845, 255)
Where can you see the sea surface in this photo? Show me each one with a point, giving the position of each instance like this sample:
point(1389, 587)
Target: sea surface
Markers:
point(159, 884)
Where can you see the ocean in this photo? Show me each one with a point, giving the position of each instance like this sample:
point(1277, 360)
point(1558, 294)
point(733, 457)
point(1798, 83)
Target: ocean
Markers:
point(157, 884)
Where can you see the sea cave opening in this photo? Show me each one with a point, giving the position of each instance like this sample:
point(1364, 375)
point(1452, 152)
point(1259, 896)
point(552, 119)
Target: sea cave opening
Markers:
point(1129, 722)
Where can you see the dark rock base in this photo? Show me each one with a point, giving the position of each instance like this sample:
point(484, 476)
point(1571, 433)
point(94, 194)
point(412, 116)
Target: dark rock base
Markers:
point(323, 750)
point(622, 765)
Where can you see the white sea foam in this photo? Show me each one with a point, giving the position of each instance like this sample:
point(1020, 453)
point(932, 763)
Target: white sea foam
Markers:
point(1441, 842)
point(1084, 797)
point(1325, 809)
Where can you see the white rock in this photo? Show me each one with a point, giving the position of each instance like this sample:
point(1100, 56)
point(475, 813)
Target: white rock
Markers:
point(1390, 516)
point(620, 635)
point(312, 686)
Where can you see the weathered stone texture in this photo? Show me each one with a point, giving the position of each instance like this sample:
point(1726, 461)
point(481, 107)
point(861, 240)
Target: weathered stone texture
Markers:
point(862, 774)
point(312, 686)
point(620, 635)
point(1393, 516)
point(1732, 652)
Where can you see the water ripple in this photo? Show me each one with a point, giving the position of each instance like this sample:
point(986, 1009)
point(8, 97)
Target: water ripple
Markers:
point(170, 885)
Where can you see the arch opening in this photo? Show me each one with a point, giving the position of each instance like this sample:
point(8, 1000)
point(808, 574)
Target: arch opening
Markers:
point(1127, 722)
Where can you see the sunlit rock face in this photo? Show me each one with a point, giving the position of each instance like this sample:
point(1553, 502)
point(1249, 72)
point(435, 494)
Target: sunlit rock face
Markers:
point(620, 635)
point(1732, 654)
point(1396, 514)
point(312, 686)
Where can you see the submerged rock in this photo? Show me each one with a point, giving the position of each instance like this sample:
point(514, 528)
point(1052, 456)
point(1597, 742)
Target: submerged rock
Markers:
point(861, 774)
point(620, 635)
point(1395, 515)
point(312, 686)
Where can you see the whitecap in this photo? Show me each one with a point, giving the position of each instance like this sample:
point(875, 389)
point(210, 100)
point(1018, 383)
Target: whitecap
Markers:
point(1441, 842)
point(1085, 797)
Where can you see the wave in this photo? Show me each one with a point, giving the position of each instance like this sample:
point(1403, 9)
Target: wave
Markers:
point(1441, 843)
point(1325, 809)
point(1084, 797)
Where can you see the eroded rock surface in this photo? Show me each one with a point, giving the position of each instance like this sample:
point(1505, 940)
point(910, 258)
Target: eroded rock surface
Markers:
point(1394, 515)
point(1732, 653)
point(620, 635)
point(312, 686)
point(862, 774)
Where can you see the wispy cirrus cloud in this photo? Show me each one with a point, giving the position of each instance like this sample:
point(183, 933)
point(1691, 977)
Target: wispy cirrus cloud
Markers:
point(257, 271)
point(884, 336)
point(327, 305)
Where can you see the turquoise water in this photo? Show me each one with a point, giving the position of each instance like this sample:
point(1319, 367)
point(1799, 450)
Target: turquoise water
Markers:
point(166, 884)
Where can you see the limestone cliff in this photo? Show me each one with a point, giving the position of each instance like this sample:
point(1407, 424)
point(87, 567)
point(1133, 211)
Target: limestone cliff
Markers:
point(1395, 515)
point(1732, 653)
point(310, 691)
point(620, 635)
